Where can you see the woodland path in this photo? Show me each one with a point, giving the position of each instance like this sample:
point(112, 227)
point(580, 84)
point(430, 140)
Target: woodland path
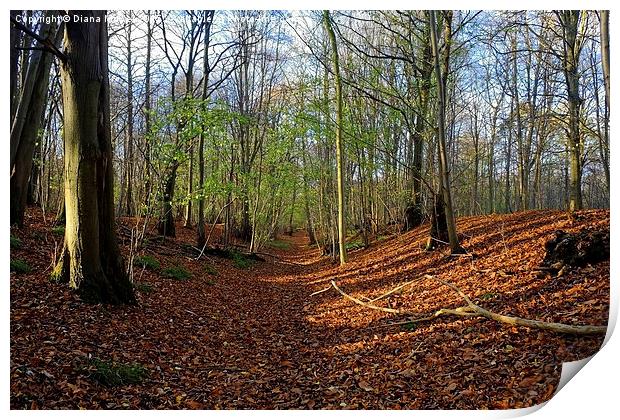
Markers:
point(253, 337)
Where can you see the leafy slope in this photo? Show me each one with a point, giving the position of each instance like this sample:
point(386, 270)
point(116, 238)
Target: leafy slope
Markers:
point(254, 338)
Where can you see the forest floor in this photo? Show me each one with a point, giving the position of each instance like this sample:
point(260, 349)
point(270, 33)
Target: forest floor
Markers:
point(247, 334)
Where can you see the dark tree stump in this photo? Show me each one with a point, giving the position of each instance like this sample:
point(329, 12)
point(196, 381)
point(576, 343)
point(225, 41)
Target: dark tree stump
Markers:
point(577, 249)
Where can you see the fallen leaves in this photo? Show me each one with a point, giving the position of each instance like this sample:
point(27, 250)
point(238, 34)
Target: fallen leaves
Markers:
point(257, 339)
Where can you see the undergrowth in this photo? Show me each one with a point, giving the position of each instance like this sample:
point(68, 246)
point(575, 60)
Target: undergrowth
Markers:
point(146, 261)
point(276, 243)
point(176, 272)
point(240, 260)
point(15, 242)
point(115, 374)
point(209, 269)
point(58, 230)
point(144, 287)
point(20, 267)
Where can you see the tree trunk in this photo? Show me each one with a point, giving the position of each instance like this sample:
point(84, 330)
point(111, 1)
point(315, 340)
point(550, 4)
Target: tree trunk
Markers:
point(129, 178)
point(30, 79)
point(14, 61)
point(605, 59)
point(572, 48)
point(166, 225)
point(147, 113)
point(522, 169)
point(200, 231)
point(91, 261)
point(455, 247)
point(25, 132)
point(339, 148)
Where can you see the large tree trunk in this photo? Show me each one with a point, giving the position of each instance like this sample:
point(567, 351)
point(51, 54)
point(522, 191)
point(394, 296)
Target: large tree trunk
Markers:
point(442, 77)
point(572, 48)
point(25, 130)
point(91, 261)
point(342, 231)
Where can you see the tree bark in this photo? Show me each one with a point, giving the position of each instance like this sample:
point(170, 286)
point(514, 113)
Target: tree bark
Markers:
point(91, 261)
point(455, 247)
point(570, 20)
point(26, 129)
point(147, 112)
point(129, 178)
point(339, 147)
point(30, 77)
point(605, 61)
point(200, 230)
point(166, 226)
point(15, 38)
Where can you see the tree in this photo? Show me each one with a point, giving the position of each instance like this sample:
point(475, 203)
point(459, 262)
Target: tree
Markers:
point(604, 147)
point(339, 147)
point(455, 247)
point(200, 230)
point(572, 41)
point(27, 123)
point(91, 261)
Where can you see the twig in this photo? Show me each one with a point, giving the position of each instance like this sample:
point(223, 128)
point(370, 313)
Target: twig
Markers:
point(394, 290)
point(368, 305)
point(48, 44)
point(320, 291)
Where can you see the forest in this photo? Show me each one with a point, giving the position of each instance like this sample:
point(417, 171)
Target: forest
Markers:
point(346, 209)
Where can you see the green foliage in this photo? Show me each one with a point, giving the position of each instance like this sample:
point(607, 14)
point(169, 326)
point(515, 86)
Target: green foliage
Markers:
point(176, 272)
point(20, 267)
point(16, 243)
point(279, 244)
point(144, 287)
point(489, 296)
point(209, 269)
point(409, 326)
point(354, 245)
point(240, 260)
point(58, 230)
point(116, 374)
point(146, 261)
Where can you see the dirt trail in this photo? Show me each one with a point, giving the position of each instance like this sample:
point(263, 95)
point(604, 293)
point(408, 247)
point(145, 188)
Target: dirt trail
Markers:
point(254, 337)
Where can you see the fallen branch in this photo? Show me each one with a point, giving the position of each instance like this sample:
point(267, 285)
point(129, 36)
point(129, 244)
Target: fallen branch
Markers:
point(368, 305)
point(320, 291)
point(524, 322)
point(461, 311)
point(471, 309)
point(394, 290)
